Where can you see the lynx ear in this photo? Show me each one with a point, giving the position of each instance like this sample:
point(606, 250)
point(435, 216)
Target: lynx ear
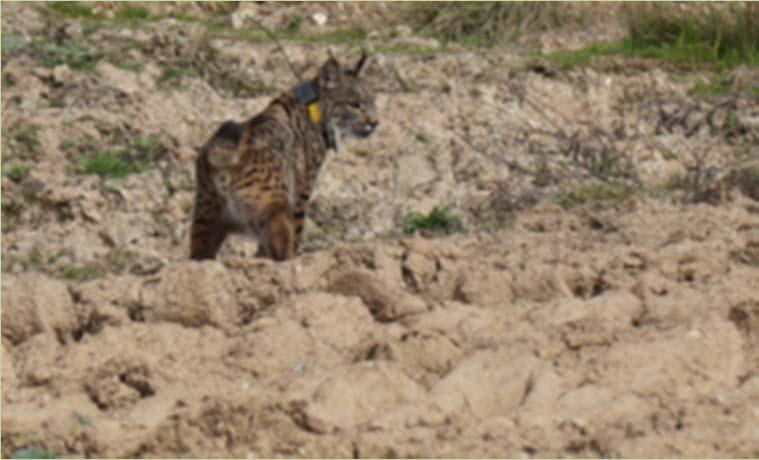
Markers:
point(330, 73)
point(355, 71)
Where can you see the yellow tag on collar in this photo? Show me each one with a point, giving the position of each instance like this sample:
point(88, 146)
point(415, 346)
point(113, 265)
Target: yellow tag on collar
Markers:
point(315, 112)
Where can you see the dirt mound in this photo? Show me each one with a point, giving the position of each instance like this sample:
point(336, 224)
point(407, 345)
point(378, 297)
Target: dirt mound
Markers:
point(565, 341)
point(603, 299)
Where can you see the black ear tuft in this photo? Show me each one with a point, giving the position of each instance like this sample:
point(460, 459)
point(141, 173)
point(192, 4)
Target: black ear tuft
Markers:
point(355, 71)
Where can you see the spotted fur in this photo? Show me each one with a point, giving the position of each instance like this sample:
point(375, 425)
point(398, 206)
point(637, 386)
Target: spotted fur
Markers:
point(257, 177)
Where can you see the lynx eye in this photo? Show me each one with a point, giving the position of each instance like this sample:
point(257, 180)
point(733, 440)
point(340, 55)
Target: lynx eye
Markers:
point(357, 105)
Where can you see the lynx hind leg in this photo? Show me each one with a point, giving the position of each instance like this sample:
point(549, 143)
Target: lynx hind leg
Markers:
point(299, 219)
point(278, 236)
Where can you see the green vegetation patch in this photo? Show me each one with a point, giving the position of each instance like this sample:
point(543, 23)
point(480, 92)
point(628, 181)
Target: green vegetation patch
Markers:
point(11, 42)
point(132, 13)
point(74, 10)
point(439, 220)
point(598, 196)
point(111, 165)
point(130, 66)
point(79, 273)
point(340, 36)
point(107, 165)
point(720, 84)
point(291, 32)
point(701, 35)
point(171, 76)
point(27, 137)
point(725, 35)
point(33, 452)
point(76, 56)
point(17, 173)
point(132, 155)
point(483, 23)
point(568, 59)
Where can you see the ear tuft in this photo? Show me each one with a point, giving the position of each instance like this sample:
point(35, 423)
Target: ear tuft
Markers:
point(356, 70)
point(330, 73)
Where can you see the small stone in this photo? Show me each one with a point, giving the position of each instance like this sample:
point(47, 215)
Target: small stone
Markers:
point(319, 18)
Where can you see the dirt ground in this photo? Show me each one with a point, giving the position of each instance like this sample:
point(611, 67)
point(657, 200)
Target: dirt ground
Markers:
point(602, 301)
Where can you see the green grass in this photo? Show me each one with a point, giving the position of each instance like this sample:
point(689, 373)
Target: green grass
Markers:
point(33, 260)
point(28, 139)
point(598, 196)
point(11, 42)
point(725, 35)
point(81, 419)
point(132, 13)
point(702, 36)
point(338, 37)
point(439, 220)
point(9, 81)
point(482, 23)
point(568, 59)
point(171, 76)
point(144, 145)
point(32, 452)
point(74, 10)
point(18, 173)
point(76, 56)
point(109, 165)
point(335, 37)
point(720, 84)
point(130, 66)
point(67, 144)
point(293, 26)
point(79, 273)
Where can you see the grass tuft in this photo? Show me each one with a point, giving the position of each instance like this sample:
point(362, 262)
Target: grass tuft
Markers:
point(28, 137)
point(483, 23)
point(132, 13)
point(32, 452)
point(77, 56)
point(18, 173)
point(711, 35)
point(437, 221)
point(341, 36)
point(79, 273)
point(171, 76)
point(74, 10)
point(598, 196)
point(109, 165)
point(721, 34)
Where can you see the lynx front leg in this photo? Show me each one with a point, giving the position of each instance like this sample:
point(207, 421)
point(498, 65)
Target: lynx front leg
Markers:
point(208, 229)
point(207, 234)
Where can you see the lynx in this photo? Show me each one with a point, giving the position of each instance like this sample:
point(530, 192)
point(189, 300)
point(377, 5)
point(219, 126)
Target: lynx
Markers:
point(257, 177)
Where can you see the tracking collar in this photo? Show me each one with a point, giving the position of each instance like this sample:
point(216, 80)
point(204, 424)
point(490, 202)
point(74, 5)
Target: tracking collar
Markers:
point(308, 94)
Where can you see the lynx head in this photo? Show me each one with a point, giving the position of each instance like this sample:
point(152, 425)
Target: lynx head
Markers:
point(348, 101)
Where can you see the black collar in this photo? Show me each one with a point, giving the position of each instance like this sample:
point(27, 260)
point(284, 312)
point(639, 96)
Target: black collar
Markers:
point(308, 94)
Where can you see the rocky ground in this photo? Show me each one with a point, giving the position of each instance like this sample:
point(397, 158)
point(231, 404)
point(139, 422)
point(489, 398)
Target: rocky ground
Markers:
point(602, 298)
